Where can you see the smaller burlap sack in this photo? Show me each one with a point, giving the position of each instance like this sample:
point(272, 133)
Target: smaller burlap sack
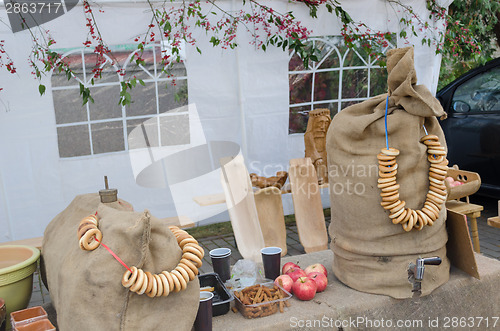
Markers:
point(370, 253)
point(85, 286)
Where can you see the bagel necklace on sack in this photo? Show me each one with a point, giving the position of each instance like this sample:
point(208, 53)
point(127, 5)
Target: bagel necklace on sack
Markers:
point(436, 196)
point(140, 282)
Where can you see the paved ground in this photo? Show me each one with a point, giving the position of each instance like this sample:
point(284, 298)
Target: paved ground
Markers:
point(489, 239)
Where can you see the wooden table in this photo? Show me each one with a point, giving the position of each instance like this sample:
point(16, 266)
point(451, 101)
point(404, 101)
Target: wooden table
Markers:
point(472, 212)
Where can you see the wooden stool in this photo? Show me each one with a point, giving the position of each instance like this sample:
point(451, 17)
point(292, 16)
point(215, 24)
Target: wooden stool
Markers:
point(472, 212)
point(495, 221)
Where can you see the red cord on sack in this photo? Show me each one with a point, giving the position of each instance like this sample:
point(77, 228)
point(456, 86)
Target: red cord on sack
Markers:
point(114, 255)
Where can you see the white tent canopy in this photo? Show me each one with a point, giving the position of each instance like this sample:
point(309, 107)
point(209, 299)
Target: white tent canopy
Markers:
point(238, 102)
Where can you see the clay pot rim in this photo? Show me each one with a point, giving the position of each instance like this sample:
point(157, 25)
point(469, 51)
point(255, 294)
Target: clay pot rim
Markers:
point(27, 262)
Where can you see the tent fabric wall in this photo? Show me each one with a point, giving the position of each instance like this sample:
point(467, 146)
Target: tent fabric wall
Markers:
point(240, 96)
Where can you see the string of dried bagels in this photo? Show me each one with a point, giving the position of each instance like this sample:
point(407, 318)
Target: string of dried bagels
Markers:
point(436, 196)
point(140, 282)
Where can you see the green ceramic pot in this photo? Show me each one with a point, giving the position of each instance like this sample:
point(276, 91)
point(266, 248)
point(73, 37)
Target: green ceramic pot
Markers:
point(17, 265)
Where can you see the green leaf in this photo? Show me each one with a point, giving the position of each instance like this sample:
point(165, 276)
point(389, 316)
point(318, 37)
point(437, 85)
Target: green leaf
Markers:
point(41, 89)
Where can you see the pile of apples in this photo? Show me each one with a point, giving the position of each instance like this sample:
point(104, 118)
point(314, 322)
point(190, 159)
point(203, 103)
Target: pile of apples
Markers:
point(303, 283)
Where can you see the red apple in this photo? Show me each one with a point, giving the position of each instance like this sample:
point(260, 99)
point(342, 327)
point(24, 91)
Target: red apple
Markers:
point(287, 266)
point(286, 282)
point(304, 288)
point(317, 267)
point(295, 273)
point(320, 280)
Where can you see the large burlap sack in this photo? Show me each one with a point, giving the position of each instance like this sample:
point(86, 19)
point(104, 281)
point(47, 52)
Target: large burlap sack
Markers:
point(85, 286)
point(370, 253)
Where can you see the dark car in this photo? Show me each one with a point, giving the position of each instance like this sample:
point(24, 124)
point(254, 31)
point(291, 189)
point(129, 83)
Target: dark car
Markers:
point(472, 128)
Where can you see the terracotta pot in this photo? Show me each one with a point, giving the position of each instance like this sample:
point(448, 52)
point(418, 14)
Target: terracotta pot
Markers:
point(41, 325)
point(26, 316)
point(3, 311)
point(17, 265)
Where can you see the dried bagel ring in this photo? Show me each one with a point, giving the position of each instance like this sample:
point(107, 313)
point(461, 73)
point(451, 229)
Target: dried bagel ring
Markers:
point(402, 216)
point(387, 168)
point(391, 188)
point(387, 194)
point(387, 174)
point(439, 196)
point(129, 278)
point(386, 180)
point(154, 287)
point(387, 163)
point(165, 284)
point(432, 198)
point(419, 224)
point(391, 198)
point(430, 213)
point(150, 281)
point(390, 151)
point(177, 282)
point(405, 218)
point(423, 217)
point(408, 225)
point(438, 159)
point(82, 230)
point(80, 243)
point(431, 206)
point(398, 206)
point(383, 157)
point(183, 273)
point(397, 213)
point(437, 190)
point(191, 249)
point(90, 218)
point(139, 281)
point(199, 248)
point(391, 204)
point(435, 181)
point(438, 171)
point(439, 166)
point(193, 258)
point(144, 286)
point(182, 235)
point(429, 137)
point(88, 242)
point(159, 285)
point(436, 152)
point(188, 270)
point(181, 279)
point(188, 240)
point(170, 280)
point(190, 265)
point(388, 184)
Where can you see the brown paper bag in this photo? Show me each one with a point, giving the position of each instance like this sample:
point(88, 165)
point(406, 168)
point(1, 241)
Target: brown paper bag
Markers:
point(85, 286)
point(370, 253)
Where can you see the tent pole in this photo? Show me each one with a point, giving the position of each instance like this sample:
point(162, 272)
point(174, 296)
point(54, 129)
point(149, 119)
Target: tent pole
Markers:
point(9, 235)
point(240, 98)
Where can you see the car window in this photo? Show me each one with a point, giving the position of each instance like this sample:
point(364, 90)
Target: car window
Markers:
point(481, 93)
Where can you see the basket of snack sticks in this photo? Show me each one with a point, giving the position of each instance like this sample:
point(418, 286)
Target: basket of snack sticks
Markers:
point(261, 300)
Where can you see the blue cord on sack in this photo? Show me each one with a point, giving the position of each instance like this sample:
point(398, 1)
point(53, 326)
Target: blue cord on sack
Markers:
point(386, 134)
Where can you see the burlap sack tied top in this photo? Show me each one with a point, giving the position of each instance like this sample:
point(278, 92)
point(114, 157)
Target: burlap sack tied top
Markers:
point(85, 286)
point(370, 253)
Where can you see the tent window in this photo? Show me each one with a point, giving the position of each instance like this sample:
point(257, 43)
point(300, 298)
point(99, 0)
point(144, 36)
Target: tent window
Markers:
point(340, 78)
point(104, 126)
